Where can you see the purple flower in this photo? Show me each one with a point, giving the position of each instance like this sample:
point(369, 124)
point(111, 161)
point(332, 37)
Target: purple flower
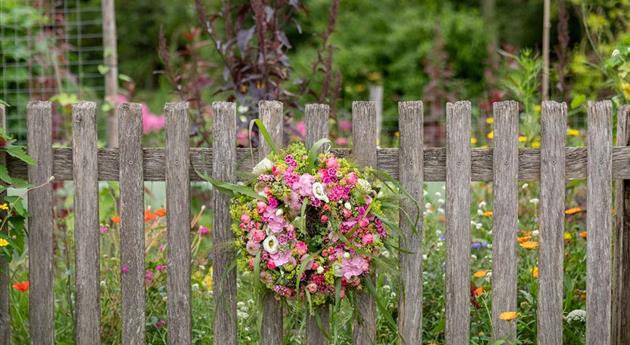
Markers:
point(203, 230)
point(148, 277)
point(160, 323)
point(160, 268)
point(103, 229)
point(479, 245)
point(124, 268)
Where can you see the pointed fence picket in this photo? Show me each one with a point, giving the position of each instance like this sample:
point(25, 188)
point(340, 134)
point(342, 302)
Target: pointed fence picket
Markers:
point(608, 262)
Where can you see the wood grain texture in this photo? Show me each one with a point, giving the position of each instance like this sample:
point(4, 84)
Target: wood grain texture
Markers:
point(551, 216)
point(40, 224)
point(131, 223)
point(411, 118)
point(223, 255)
point(621, 245)
point(272, 319)
point(110, 59)
point(5, 282)
point(458, 238)
point(505, 229)
point(178, 223)
point(599, 224)
point(364, 138)
point(316, 117)
point(387, 160)
point(86, 226)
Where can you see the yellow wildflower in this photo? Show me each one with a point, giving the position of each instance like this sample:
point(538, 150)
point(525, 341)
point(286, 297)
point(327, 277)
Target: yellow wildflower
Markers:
point(487, 214)
point(522, 138)
point(480, 274)
point(375, 76)
point(573, 210)
point(626, 90)
point(573, 132)
point(4, 207)
point(3, 242)
point(490, 120)
point(508, 315)
point(490, 135)
point(534, 271)
point(537, 108)
point(567, 236)
point(473, 140)
point(207, 281)
point(529, 245)
point(536, 144)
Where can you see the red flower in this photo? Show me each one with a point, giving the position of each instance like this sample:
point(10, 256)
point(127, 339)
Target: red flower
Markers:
point(21, 286)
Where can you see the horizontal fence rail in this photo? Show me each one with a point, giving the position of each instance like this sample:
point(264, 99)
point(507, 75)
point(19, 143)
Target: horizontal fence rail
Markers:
point(608, 261)
point(434, 163)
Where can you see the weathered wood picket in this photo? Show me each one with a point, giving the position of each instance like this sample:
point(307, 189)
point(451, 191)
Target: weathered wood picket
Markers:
point(608, 254)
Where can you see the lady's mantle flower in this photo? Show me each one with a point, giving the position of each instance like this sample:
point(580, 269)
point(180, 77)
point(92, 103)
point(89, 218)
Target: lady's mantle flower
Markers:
point(262, 167)
point(270, 244)
point(319, 193)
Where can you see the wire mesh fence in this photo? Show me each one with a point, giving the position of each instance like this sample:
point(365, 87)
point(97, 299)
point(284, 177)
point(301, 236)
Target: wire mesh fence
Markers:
point(49, 49)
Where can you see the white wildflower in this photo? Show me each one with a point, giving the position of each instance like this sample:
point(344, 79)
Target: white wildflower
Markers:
point(271, 244)
point(319, 193)
point(320, 269)
point(337, 269)
point(478, 226)
point(438, 194)
point(262, 167)
point(535, 233)
point(534, 201)
point(347, 206)
point(616, 53)
point(577, 315)
point(346, 255)
point(525, 185)
point(279, 212)
point(482, 204)
point(440, 201)
point(242, 109)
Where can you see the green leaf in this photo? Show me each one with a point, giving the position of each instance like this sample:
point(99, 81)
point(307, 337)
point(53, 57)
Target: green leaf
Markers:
point(577, 101)
point(314, 152)
point(4, 175)
point(230, 188)
point(264, 133)
point(102, 69)
point(19, 153)
point(124, 77)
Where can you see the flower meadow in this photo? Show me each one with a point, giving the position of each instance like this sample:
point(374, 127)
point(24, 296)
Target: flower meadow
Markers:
point(313, 229)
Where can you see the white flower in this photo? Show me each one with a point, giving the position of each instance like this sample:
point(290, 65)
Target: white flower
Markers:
point(279, 212)
point(478, 226)
point(242, 109)
point(337, 269)
point(525, 185)
point(535, 233)
point(320, 269)
point(438, 194)
point(271, 244)
point(318, 192)
point(347, 206)
point(346, 255)
point(577, 315)
point(615, 53)
point(364, 185)
point(262, 167)
point(534, 201)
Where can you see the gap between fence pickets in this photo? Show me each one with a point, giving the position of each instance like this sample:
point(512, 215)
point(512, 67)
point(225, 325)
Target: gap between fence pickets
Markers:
point(434, 163)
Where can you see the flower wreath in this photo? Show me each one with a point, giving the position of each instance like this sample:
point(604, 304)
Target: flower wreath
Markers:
point(312, 225)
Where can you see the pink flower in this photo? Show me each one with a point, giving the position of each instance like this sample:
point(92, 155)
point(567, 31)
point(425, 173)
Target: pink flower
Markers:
point(245, 218)
point(148, 277)
point(304, 186)
point(352, 178)
point(300, 126)
point(312, 287)
point(124, 268)
point(203, 230)
point(367, 239)
point(271, 265)
point(324, 219)
point(160, 268)
point(242, 137)
point(341, 141)
point(252, 247)
point(354, 266)
point(332, 163)
point(364, 222)
point(103, 229)
point(258, 235)
point(345, 125)
point(150, 121)
point(301, 248)
point(281, 258)
point(160, 323)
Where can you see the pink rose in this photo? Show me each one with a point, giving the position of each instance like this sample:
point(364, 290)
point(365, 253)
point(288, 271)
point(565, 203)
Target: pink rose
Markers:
point(258, 235)
point(301, 248)
point(367, 239)
point(312, 287)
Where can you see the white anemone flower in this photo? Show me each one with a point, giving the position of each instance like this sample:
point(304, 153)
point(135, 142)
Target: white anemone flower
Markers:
point(262, 167)
point(319, 193)
point(271, 244)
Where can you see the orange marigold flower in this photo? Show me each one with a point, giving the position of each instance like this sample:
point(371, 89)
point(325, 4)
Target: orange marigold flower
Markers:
point(508, 315)
point(478, 291)
point(573, 210)
point(534, 271)
point(21, 286)
point(487, 214)
point(160, 212)
point(480, 274)
point(583, 234)
point(529, 245)
point(116, 219)
point(524, 238)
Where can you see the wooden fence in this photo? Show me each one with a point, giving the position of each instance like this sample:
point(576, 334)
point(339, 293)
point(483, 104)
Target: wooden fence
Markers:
point(608, 258)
